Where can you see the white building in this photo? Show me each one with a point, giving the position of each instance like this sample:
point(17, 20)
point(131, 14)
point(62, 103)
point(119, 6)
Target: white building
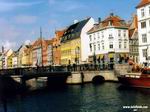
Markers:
point(143, 13)
point(108, 40)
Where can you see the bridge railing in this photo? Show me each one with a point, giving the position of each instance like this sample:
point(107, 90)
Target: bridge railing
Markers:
point(47, 69)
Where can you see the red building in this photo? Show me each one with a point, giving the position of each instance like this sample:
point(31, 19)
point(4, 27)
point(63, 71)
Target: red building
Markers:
point(42, 52)
point(56, 47)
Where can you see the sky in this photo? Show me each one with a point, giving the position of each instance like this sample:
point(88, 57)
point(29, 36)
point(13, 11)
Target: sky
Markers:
point(20, 20)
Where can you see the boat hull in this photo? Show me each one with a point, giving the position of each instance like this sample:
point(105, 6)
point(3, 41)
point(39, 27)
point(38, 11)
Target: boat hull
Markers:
point(143, 82)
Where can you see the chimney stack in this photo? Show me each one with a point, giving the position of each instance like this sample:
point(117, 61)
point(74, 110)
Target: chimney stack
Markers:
point(111, 14)
point(99, 20)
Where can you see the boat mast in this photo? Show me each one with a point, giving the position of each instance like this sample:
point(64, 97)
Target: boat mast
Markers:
point(41, 45)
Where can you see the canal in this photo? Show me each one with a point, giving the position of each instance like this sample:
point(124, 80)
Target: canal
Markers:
point(106, 97)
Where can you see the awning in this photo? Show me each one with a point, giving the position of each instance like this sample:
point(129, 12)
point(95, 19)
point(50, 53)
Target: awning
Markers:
point(101, 56)
point(111, 55)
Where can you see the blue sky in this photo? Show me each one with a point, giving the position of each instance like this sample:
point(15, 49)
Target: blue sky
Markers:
point(20, 20)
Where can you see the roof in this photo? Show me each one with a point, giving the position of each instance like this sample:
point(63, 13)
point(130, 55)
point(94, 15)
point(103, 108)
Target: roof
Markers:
point(143, 3)
point(110, 21)
point(133, 26)
point(74, 30)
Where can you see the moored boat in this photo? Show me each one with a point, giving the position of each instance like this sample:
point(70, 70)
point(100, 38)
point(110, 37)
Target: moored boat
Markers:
point(136, 79)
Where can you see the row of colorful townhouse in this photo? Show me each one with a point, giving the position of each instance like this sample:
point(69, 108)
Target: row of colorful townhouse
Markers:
point(86, 41)
point(28, 55)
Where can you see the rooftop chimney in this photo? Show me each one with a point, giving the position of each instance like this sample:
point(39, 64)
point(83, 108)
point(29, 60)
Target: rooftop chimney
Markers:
point(111, 14)
point(99, 20)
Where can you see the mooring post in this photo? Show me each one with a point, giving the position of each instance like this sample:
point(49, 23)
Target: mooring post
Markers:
point(82, 77)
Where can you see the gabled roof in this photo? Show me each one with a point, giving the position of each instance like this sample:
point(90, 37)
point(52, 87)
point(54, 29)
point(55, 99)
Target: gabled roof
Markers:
point(40, 42)
point(143, 3)
point(110, 21)
point(133, 26)
point(74, 30)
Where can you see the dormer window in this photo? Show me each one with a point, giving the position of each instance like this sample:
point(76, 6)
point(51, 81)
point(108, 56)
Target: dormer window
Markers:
point(110, 23)
point(119, 33)
point(90, 37)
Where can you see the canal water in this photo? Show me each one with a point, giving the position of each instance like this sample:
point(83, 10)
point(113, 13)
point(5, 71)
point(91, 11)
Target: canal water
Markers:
point(106, 97)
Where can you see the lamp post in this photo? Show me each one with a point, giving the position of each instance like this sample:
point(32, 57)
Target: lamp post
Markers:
point(77, 55)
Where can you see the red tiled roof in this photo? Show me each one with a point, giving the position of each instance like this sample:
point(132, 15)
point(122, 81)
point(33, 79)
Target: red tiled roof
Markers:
point(112, 20)
point(133, 26)
point(143, 3)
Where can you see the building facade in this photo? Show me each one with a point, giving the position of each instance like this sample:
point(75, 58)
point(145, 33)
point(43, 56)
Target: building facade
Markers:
point(57, 48)
point(74, 47)
point(143, 13)
point(42, 52)
point(15, 59)
point(133, 40)
point(24, 56)
point(7, 59)
point(108, 40)
point(0, 60)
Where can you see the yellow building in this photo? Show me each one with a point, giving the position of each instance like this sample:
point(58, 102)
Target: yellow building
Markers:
point(70, 52)
point(24, 56)
point(74, 42)
point(0, 60)
point(9, 61)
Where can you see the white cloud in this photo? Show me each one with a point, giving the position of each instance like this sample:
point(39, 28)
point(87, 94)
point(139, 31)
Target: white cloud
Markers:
point(9, 6)
point(8, 31)
point(8, 45)
point(66, 5)
point(27, 42)
point(25, 19)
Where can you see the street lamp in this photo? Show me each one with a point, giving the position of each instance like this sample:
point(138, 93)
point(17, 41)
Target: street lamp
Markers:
point(77, 55)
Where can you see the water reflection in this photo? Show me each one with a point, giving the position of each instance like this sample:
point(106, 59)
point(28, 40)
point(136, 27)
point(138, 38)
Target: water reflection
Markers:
point(107, 97)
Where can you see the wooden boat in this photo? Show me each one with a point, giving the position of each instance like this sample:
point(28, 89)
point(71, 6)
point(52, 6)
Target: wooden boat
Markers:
point(136, 79)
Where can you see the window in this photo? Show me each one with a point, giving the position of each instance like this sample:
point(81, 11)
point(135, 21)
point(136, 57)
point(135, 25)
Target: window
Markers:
point(125, 44)
point(98, 35)
point(142, 13)
point(143, 24)
point(120, 45)
point(90, 37)
point(94, 47)
point(103, 46)
point(119, 33)
point(124, 33)
point(98, 46)
point(144, 52)
point(144, 38)
point(111, 45)
point(110, 36)
point(91, 47)
point(94, 36)
point(102, 34)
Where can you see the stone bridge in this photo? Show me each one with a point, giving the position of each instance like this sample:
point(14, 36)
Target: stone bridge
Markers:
point(91, 76)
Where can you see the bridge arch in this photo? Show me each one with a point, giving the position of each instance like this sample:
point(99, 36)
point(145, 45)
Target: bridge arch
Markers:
point(98, 79)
